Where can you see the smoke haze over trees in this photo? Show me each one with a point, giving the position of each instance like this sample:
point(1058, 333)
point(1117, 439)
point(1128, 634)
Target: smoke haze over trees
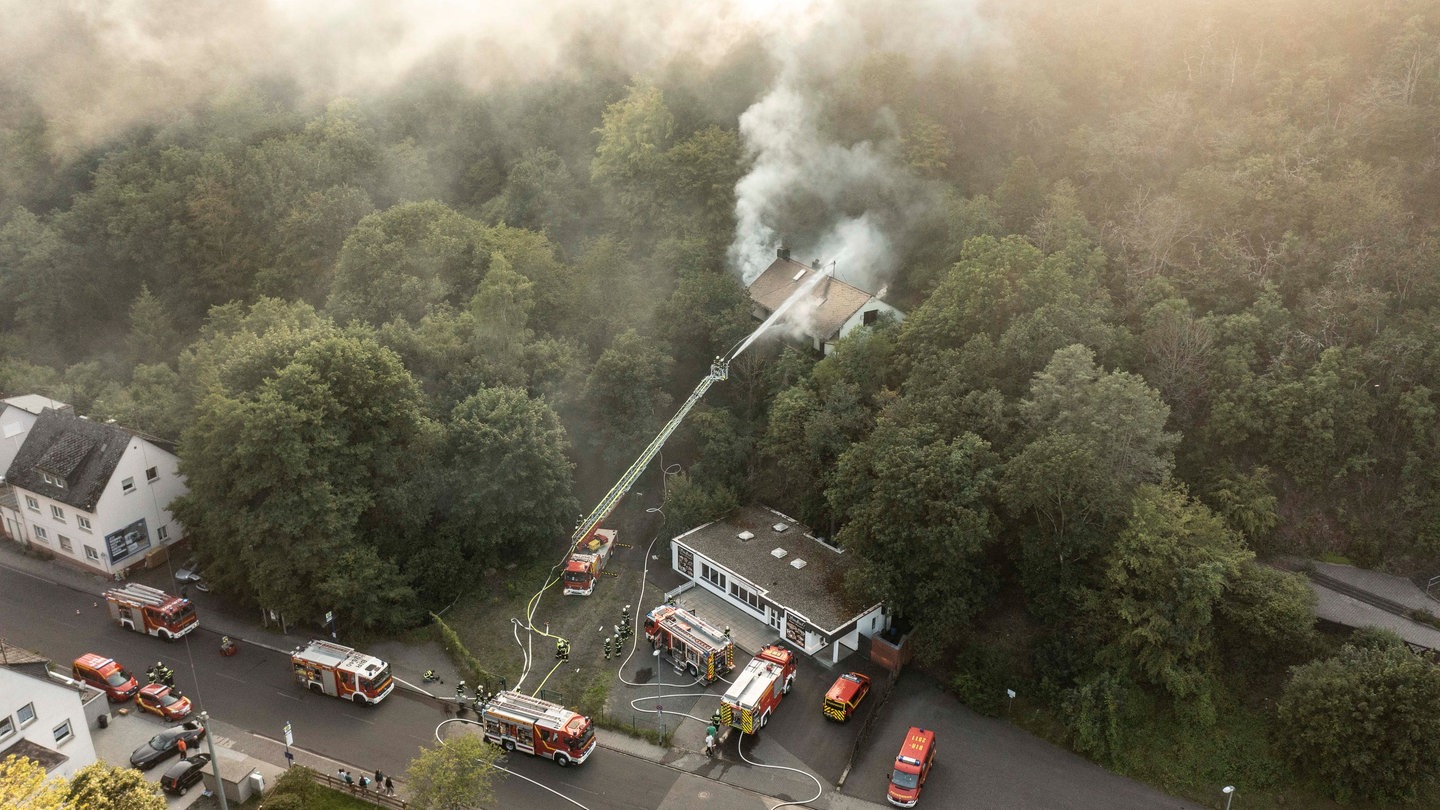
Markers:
point(1170, 273)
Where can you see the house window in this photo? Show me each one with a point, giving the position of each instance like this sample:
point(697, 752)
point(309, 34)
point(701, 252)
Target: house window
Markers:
point(163, 533)
point(870, 317)
point(53, 480)
point(66, 544)
point(127, 486)
point(712, 575)
point(57, 513)
point(62, 732)
point(26, 714)
point(83, 522)
point(7, 727)
point(747, 596)
point(151, 474)
point(41, 534)
point(33, 504)
point(92, 554)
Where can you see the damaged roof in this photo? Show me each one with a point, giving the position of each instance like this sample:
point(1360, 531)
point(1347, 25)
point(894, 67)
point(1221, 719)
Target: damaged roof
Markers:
point(833, 301)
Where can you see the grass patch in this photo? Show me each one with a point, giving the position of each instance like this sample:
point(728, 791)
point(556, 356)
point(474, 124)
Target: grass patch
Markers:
point(1336, 559)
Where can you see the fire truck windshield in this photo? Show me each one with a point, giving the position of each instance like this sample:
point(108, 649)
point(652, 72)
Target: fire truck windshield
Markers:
point(576, 576)
point(118, 678)
point(181, 614)
point(376, 682)
point(579, 741)
point(904, 780)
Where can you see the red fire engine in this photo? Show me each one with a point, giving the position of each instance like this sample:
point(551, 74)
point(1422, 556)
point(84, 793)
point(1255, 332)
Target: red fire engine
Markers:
point(151, 611)
point(758, 689)
point(587, 561)
point(692, 644)
point(342, 672)
point(518, 721)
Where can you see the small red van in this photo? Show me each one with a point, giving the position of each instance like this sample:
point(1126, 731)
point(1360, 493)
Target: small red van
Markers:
point(912, 766)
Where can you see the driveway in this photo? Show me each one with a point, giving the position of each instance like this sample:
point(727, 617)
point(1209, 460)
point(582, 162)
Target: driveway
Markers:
point(987, 762)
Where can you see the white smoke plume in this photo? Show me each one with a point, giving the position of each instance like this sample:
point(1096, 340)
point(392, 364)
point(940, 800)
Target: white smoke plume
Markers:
point(831, 201)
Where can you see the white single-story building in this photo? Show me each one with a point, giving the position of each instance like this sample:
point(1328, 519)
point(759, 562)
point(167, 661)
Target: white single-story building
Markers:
point(95, 495)
point(829, 310)
point(46, 716)
point(778, 571)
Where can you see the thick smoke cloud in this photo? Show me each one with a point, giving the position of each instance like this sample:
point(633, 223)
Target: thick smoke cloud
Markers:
point(846, 203)
point(96, 67)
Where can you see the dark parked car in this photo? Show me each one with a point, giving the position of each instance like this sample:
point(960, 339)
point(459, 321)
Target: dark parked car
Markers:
point(182, 775)
point(166, 744)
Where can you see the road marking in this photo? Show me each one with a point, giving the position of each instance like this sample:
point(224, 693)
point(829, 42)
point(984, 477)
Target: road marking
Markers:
point(232, 677)
point(361, 719)
point(284, 695)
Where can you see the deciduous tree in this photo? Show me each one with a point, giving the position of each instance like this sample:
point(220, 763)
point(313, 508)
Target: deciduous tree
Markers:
point(457, 774)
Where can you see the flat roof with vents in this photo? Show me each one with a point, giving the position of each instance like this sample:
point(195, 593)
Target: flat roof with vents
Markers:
point(793, 568)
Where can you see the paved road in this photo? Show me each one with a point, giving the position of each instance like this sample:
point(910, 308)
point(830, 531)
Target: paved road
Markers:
point(251, 696)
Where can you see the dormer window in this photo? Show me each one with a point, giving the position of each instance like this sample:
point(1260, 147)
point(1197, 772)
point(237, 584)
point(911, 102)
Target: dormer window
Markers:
point(53, 480)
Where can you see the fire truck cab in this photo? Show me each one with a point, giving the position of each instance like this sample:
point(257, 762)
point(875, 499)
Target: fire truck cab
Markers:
point(517, 721)
point(587, 562)
point(339, 671)
point(151, 611)
point(912, 766)
point(757, 691)
point(694, 645)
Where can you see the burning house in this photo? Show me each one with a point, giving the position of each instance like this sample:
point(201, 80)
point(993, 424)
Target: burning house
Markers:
point(830, 309)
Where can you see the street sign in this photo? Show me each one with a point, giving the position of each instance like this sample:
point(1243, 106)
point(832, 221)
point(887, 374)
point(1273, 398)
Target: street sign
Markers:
point(329, 616)
point(289, 737)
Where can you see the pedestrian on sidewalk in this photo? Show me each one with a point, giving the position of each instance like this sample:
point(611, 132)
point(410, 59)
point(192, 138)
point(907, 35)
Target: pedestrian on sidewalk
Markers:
point(709, 745)
point(364, 784)
point(379, 778)
point(389, 787)
point(181, 746)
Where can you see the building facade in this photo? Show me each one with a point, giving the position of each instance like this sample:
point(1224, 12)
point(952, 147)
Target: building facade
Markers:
point(94, 495)
point(46, 716)
point(826, 309)
point(771, 566)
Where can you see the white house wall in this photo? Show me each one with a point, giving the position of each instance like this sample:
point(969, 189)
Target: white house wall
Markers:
point(54, 705)
point(874, 305)
point(15, 424)
point(149, 499)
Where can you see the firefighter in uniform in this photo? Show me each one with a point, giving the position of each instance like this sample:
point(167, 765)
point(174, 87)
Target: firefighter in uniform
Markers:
point(152, 673)
point(607, 648)
point(625, 629)
point(460, 694)
point(564, 651)
point(559, 648)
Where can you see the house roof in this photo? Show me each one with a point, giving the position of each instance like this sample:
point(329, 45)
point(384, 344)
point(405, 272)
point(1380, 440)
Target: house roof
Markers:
point(34, 403)
point(832, 300)
point(10, 655)
point(816, 591)
point(82, 452)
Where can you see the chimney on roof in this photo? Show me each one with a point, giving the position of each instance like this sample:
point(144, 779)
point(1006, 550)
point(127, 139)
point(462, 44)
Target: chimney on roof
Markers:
point(782, 252)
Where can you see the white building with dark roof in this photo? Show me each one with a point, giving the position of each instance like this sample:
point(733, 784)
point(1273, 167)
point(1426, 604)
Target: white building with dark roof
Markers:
point(44, 715)
point(777, 570)
point(93, 494)
point(831, 308)
point(17, 416)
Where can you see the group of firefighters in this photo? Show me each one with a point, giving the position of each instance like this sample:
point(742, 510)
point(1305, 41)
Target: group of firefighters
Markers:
point(161, 674)
point(624, 630)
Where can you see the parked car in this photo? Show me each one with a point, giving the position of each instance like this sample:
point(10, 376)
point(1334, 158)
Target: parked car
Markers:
point(182, 775)
point(162, 700)
point(845, 695)
point(106, 675)
point(912, 767)
point(189, 574)
point(166, 744)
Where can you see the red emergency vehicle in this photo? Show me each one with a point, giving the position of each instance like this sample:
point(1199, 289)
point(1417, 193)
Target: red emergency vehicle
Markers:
point(692, 644)
point(912, 766)
point(845, 695)
point(342, 672)
point(517, 721)
point(757, 691)
point(587, 562)
point(151, 611)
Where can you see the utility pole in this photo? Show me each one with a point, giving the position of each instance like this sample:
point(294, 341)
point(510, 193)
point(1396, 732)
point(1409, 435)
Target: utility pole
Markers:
point(214, 762)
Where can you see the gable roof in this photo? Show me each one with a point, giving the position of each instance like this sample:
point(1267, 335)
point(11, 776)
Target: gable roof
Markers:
point(815, 590)
point(82, 452)
point(832, 300)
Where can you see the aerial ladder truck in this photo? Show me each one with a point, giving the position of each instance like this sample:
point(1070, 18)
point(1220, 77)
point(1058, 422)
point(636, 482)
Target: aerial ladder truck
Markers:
point(591, 545)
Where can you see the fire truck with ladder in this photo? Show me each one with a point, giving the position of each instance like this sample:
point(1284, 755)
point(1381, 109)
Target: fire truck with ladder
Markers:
point(757, 691)
point(151, 611)
point(693, 644)
point(339, 671)
point(587, 559)
point(517, 721)
point(587, 562)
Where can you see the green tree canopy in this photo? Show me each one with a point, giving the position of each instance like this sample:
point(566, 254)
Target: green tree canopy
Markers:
point(457, 774)
point(1365, 723)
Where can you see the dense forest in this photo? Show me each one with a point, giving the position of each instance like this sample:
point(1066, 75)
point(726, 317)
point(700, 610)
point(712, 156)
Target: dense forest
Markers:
point(1171, 273)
